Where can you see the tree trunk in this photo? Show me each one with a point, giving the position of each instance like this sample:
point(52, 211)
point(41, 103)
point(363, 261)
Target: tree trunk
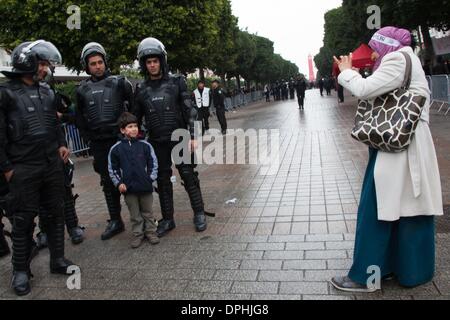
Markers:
point(429, 49)
point(238, 79)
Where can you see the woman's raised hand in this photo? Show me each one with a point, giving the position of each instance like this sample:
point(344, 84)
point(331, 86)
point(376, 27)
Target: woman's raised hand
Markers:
point(345, 62)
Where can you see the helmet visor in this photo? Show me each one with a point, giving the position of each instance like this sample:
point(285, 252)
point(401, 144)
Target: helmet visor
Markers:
point(46, 51)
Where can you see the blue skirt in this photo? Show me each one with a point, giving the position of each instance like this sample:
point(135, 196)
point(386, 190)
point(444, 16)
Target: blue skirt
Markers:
point(405, 248)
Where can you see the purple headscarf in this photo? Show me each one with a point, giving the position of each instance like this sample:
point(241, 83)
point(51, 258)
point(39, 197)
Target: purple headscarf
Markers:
point(387, 40)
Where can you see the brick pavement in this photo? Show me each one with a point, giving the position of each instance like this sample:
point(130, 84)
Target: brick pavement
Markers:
point(283, 239)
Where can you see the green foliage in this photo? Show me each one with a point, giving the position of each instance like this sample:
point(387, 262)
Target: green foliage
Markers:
point(68, 89)
point(346, 27)
point(196, 33)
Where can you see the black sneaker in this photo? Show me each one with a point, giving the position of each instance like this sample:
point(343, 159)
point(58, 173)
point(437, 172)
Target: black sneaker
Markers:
point(164, 227)
point(113, 228)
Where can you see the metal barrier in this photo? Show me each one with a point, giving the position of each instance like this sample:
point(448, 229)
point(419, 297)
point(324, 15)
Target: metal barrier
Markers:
point(440, 91)
point(74, 140)
point(77, 145)
point(241, 100)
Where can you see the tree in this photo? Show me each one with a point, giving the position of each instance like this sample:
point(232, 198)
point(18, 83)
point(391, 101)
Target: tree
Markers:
point(223, 52)
point(246, 55)
point(185, 27)
point(324, 61)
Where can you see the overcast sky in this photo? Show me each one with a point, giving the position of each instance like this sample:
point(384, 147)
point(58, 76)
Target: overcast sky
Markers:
point(295, 26)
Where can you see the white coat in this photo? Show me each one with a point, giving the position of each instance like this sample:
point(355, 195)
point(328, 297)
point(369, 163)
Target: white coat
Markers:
point(408, 184)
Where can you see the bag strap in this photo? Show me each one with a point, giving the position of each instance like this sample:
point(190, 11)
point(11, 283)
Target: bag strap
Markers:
point(408, 74)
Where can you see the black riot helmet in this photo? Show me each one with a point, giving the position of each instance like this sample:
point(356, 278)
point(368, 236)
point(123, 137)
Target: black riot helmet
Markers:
point(152, 47)
point(92, 48)
point(26, 56)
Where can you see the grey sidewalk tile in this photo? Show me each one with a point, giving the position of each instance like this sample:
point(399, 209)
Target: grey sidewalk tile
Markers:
point(177, 274)
point(236, 275)
point(323, 275)
point(305, 265)
point(304, 288)
point(261, 265)
point(340, 264)
point(287, 238)
point(285, 276)
point(255, 287)
point(283, 255)
point(226, 297)
point(324, 237)
point(209, 286)
point(305, 246)
point(265, 246)
point(326, 254)
point(340, 245)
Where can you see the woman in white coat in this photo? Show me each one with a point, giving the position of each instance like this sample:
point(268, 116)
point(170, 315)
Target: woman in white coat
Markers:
point(401, 192)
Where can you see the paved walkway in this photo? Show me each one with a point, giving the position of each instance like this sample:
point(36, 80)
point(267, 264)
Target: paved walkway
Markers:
point(284, 238)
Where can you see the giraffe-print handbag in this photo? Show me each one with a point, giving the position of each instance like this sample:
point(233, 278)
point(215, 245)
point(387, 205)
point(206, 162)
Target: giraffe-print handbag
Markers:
point(388, 123)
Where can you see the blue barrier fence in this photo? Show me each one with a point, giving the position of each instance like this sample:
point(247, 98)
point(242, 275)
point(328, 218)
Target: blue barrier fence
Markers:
point(440, 92)
point(77, 145)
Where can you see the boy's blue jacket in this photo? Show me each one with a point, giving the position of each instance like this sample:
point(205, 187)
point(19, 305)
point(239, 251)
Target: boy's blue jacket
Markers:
point(133, 163)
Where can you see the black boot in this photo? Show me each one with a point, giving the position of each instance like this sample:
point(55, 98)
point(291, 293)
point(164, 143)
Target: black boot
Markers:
point(41, 240)
point(164, 227)
point(112, 197)
point(76, 235)
point(165, 191)
point(113, 228)
point(200, 222)
point(60, 265)
point(21, 283)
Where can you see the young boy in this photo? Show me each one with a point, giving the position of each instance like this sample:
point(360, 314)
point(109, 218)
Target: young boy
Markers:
point(133, 168)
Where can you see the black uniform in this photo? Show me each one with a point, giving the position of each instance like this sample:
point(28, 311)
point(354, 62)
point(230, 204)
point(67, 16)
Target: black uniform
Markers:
point(30, 136)
point(70, 214)
point(300, 87)
point(341, 93)
point(167, 106)
point(218, 98)
point(321, 86)
point(100, 102)
point(292, 89)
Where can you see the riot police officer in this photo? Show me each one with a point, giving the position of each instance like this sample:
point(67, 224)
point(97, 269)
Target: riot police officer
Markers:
point(292, 89)
point(32, 152)
point(76, 232)
point(218, 98)
point(100, 101)
point(164, 101)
